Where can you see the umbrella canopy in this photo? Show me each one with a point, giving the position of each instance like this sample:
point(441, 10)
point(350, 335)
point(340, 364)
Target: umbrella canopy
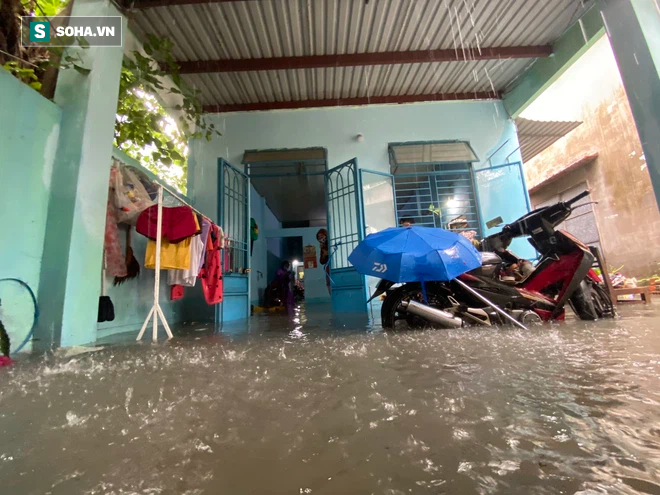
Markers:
point(415, 254)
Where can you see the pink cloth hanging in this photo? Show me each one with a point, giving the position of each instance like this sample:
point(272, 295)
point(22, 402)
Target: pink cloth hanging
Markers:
point(211, 272)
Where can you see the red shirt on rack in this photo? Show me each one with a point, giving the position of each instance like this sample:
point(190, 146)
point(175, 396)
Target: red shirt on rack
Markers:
point(211, 272)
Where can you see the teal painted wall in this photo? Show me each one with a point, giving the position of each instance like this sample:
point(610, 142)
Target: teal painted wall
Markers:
point(633, 28)
point(484, 124)
point(266, 220)
point(28, 142)
point(70, 281)
point(273, 257)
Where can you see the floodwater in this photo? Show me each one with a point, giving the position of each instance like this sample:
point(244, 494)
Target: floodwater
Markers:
point(327, 407)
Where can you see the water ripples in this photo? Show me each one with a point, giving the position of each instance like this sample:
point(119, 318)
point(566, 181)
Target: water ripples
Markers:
point(571, 408)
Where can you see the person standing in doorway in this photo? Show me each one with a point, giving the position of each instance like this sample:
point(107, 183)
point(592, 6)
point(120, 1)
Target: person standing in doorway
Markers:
point(284, 278)
point(324, 258)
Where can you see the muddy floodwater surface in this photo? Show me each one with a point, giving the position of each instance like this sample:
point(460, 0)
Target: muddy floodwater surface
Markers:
point(321, 406)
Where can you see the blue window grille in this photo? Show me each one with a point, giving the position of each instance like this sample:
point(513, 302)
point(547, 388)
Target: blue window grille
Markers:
point(448, 188)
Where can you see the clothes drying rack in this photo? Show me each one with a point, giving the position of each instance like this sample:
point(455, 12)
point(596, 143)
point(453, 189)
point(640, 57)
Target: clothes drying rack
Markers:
point(156, 312)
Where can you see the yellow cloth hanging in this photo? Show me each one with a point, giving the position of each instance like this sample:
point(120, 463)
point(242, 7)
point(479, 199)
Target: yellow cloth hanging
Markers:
point(172, 256)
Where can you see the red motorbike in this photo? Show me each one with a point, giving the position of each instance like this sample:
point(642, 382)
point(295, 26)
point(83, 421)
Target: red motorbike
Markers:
point(528, 294)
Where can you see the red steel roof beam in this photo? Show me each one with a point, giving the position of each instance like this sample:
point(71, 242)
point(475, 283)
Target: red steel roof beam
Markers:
point(342, 102)
point(361, 59)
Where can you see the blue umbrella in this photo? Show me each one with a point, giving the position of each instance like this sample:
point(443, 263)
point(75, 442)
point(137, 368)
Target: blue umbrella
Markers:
point(420, 254)
point(415, 254)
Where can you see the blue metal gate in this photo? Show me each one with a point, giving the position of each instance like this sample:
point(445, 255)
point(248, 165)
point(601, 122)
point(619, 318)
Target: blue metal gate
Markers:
point(378, 212)
point(234, 218)
point(345, 231)
point(503, 193)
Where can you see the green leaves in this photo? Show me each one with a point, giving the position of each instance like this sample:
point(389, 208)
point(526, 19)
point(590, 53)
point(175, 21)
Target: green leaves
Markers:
point(25, 74)
point(435, 211)
point(45, 8)
point(146, 132)
point(143, 129)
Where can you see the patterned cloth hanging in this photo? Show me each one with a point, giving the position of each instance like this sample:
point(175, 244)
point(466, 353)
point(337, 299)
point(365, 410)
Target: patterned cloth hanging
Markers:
point(114, 257)
point(211, 272)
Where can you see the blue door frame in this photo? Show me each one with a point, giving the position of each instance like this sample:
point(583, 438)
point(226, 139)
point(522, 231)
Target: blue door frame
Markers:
point(371, 282)
point(234, 218)
point(345, 231)
point(502, 192)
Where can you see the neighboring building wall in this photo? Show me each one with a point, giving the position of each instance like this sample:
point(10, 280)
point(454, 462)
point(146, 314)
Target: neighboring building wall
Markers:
point(28, 142)
point(626, 214)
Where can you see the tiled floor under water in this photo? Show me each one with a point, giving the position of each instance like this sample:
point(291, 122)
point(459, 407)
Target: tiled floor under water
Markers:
point(309, 403)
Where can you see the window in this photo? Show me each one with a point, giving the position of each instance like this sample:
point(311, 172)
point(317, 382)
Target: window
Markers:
point(434, 185)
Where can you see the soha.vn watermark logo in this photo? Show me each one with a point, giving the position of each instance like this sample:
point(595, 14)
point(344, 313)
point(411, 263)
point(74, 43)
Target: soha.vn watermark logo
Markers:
point(71, 31)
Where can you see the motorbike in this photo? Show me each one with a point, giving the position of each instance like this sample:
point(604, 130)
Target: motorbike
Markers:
point(529, 294)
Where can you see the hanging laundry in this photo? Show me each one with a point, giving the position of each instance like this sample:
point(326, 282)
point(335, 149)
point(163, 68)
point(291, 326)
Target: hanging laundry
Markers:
point(206, 228)
point(179, 222)
point(146, 181)
point(132, 265)
point(173, 255)
point(130, 196)
point(176, 292)
point(211, 272)
point(187, 278)
point(114, 257)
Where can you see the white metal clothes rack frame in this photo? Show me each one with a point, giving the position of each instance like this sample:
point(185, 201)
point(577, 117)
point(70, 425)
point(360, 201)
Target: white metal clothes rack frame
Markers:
point(156, 312)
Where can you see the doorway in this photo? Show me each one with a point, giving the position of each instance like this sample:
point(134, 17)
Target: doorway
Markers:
point(289, 205)
point(283, 253)
point(291, 181)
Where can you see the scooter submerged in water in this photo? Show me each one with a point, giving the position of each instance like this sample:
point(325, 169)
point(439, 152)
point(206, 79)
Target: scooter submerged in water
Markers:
point(564, 274)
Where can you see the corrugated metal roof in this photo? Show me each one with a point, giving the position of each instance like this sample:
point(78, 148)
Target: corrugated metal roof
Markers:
point(536, 135)
point(347, 82)
point(286, 28)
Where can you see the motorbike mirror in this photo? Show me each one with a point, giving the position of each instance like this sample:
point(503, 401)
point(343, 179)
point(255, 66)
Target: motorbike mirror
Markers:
point(495, 222)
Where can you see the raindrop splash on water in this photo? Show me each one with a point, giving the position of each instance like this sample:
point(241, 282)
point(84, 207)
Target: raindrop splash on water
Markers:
point(557, 409)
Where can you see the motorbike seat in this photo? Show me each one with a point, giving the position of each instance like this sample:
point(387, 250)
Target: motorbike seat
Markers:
point(488, 258)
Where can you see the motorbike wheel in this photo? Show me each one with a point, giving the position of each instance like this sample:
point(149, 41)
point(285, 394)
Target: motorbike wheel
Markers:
point(591, 301)
point(391, 312)
point(602, 302)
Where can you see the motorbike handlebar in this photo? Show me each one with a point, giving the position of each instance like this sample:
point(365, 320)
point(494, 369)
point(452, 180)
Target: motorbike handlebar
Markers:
point(526, 225)
point(577, 198)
